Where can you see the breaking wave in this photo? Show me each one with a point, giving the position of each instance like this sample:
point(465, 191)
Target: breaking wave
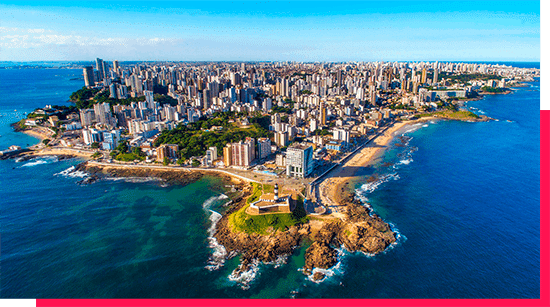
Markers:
point(71, 172)
point(134, 179)
point(217, 259)
point(337, 269)
point(219, 254)
point(244, 278)
point(370, 187)
point(41, 160)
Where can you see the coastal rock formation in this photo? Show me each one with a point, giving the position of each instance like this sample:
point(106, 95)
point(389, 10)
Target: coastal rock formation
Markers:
point(319, 255)
point(356, 230)
point(170, 177)
point(359, 231)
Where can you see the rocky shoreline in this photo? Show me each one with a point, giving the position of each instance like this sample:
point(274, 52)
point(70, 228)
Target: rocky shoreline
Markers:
point(359, 231)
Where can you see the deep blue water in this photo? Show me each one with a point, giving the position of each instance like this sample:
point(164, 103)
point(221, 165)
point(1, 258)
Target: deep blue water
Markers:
point(463, 196)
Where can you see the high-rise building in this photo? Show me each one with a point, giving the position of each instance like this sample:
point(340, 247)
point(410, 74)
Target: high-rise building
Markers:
point(88, 72)
point(99, 66)
point(103, 113)
point(423, 80)
point(299, 160)
point(115, 66)
point(149, 98)
point(436, 72)
point(169, 151)
point(322, 114)
point(281, 139)
point(91, 136)
point(243, 153)
point(211, 155)
point(372, 92)
point(87, 117)
point(264, 147)
point(341, 135)
point(227, 155)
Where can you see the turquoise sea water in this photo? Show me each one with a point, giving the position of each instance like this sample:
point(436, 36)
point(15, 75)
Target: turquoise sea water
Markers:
point(463, 196)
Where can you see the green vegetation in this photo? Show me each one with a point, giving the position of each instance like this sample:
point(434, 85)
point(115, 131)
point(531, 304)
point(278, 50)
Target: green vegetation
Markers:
point(256, 193)
point(122, 153)
point(20, 125)
point(85, 98)
point(465, 78)
point(163, 99)
point(322, 132)
point(195, 138)
point(491, 89)
point(195, 163)
point(461, 115)
point(450, 114)
point(240, 221)
point(95, 145)
point(305, 92)
point(83, 95)
point(46, 141)
point(96, 155)
point(165, 161)
point(37, 116)
point(400, 107)
point(277, 109)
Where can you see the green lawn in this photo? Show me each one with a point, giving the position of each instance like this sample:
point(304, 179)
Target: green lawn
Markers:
point(128, 157)
point(240, 221)
point(458, 114)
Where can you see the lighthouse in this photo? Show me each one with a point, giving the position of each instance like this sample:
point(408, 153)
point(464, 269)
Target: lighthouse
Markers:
point(276, 192)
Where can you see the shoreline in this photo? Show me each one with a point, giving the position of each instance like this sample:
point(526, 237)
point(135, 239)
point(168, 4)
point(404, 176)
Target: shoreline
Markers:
point(130, 170)
point(349, 224)
point(333, 190)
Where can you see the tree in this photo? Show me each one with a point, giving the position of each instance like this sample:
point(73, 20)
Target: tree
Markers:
point(195, 163)
point(95, 145)
point(165, 161)
point(46, 141)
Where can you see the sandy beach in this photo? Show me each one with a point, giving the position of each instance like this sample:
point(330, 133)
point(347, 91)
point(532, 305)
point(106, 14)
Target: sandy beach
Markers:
point(333, 189)
point(38, 132)
point(61, 151)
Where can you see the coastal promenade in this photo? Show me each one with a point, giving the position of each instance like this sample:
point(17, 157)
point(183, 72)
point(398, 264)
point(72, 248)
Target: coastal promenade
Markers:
point(328, 188)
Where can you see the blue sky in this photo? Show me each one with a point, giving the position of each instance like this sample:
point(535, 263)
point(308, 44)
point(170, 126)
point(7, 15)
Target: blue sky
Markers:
point(286, 30)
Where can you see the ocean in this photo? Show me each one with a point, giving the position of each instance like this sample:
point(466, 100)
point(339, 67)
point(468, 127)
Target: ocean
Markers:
point(463, 197)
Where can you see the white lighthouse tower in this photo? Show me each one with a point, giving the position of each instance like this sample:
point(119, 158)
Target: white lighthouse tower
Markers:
point(276, 192)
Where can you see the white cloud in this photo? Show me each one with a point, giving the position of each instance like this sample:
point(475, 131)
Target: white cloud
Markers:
point(36, 30)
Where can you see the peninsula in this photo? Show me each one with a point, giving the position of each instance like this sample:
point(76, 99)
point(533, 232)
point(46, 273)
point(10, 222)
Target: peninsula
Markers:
point(288, 139)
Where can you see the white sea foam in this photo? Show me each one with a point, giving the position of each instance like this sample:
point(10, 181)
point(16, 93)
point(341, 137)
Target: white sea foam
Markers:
point(71, 172)
point(337, 269)
point(134, 179)
point(244, 278)
point(279, 262)
point(219, 254)
point(38, 161)
point(406, 161)
point(372, 186)
point(208, 203)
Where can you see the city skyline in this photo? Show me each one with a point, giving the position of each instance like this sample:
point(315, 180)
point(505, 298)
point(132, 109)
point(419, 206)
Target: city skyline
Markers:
point(272, 31)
